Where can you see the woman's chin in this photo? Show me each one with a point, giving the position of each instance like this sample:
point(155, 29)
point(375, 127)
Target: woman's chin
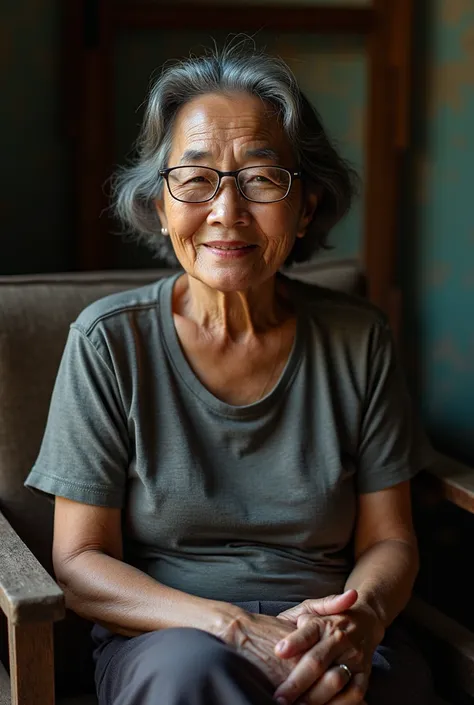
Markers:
point(228, 278)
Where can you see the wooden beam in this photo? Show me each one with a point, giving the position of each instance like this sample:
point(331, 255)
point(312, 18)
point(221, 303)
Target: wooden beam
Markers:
point(400, 58)
point(387, 139)
point(94, 137)
point(69, 71)
point(379, 227)
point(237, 17)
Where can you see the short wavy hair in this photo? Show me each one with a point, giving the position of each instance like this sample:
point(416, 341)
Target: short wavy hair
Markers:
point(238, 67)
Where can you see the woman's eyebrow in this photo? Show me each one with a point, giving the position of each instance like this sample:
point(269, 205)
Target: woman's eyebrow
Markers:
point(194, 155)
point(263, 153)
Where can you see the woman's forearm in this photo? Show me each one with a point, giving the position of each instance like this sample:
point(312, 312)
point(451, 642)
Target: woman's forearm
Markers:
point(129, 602)
point(384, 576)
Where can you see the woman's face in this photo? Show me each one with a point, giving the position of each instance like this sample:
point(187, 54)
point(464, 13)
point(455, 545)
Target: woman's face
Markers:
point(227, 133)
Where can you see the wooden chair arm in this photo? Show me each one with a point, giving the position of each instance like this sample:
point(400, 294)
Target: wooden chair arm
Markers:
point(31, 601)
point(454, 480)
point(27, 592)
point(449, 647)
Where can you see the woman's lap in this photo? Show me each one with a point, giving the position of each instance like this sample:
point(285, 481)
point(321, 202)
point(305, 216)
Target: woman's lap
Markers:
point(400, 675)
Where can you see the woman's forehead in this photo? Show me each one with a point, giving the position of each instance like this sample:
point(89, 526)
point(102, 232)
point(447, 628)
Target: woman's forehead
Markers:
point(210, 123)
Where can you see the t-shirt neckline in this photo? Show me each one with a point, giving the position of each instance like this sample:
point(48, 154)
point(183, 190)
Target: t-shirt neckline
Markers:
point(187, 375)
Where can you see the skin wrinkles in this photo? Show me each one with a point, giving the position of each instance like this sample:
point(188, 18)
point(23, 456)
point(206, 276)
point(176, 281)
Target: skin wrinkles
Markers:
point(234, 299)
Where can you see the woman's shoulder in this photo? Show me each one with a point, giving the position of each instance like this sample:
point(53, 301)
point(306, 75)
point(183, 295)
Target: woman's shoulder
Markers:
point(117, 308)
point(336, 309)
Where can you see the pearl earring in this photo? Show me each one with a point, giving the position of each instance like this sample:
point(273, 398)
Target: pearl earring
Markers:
point(164, 231)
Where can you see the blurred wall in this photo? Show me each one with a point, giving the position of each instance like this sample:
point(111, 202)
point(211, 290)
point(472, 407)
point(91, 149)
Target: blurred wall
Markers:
point(437, 257)
point(35, 172)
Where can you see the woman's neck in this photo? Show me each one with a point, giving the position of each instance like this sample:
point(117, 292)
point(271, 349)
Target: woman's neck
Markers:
point(233, 315)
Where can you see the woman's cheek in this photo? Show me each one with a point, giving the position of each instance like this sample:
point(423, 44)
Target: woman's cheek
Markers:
point(280, 230)
point(182, 227)
point(184, 247)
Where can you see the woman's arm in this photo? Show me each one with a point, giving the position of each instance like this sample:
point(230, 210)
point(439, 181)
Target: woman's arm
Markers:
point(87, 554)
point(87, 558)
point(386, 551)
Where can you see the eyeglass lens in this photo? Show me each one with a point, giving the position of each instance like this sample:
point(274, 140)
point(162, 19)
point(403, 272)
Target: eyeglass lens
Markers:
point(263, 184)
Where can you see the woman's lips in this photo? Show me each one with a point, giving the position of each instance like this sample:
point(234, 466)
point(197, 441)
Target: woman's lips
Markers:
point(229, 250)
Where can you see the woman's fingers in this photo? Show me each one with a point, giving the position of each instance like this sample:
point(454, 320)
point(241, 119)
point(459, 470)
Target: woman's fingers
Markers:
point(324, 606)
point(353, 658)
point(337, 689)
point(303, 638)
point(312, 666)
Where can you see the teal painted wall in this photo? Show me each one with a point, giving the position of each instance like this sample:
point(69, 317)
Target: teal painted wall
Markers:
point(437, 263)
point(437, 260)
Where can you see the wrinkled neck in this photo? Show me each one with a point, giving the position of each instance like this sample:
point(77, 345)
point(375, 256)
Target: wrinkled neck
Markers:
point(232, 315)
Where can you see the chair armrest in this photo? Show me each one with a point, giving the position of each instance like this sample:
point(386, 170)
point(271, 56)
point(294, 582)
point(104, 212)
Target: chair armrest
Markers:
point(455, 481)
point(451, 646)
point(27, 592)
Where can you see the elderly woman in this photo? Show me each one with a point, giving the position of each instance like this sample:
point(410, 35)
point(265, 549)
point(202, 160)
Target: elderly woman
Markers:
point(231, 451)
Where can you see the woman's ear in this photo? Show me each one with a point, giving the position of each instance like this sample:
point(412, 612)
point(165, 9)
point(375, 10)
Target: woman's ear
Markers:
point(160, 209)
point(310, 203)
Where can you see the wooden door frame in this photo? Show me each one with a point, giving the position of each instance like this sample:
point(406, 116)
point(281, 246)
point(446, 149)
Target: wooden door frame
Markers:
point(91, 26)
point(387, 140)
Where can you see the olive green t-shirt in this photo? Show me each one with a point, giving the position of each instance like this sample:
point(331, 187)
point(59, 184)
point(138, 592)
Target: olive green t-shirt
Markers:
point(237, 503)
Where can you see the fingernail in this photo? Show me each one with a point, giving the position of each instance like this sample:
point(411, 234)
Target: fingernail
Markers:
point(281, 701)
point(281, 646)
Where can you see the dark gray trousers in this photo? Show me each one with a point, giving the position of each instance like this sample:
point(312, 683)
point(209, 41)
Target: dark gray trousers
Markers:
point(183, 666)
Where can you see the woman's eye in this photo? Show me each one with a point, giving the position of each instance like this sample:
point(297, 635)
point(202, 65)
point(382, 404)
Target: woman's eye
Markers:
point(259, 179)
point(196, 180)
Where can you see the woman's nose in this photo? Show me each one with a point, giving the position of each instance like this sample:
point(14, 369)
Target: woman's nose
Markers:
point(229, 207)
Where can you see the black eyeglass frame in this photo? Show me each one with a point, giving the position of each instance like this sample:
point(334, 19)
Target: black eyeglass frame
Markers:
point(292, 174)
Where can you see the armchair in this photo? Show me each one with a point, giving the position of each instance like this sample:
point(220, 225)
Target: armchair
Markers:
point(35, 312)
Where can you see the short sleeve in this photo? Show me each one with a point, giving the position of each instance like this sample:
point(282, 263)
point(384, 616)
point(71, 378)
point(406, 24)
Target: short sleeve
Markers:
point(392, 445)
point(84, 452)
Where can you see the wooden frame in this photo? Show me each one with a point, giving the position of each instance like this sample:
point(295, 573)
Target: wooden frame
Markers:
point(386, 25)
point(449, 647)
point(389, 49)
point(452, 481)
point(31, 601)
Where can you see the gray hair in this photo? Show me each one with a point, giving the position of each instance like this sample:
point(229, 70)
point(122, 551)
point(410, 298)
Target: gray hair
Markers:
point(239, 67)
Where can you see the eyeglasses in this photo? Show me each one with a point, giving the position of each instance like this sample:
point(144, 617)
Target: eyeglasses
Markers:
point(198, 184)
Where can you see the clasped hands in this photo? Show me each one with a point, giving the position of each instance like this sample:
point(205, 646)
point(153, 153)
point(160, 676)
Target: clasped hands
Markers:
point(302, 648)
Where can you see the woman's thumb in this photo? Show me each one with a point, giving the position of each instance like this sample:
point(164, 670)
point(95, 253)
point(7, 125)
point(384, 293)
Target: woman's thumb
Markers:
point(333, 604)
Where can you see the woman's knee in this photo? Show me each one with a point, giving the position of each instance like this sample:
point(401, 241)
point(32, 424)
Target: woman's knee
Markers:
point(190, 649)
point(177, 663)
point(160, 660)
point(171, 653)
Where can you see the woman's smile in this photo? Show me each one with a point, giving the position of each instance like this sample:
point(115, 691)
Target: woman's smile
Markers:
point(229, 250)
